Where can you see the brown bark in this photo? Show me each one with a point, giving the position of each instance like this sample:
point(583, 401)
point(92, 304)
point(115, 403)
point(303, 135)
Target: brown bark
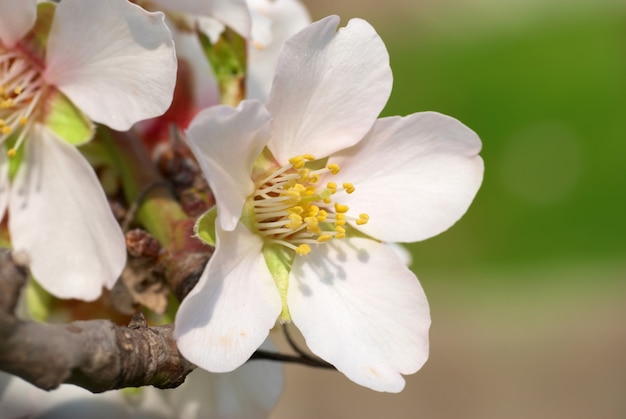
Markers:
point(97, 354)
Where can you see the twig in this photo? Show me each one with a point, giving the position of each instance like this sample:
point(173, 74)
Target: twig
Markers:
point(95, 354)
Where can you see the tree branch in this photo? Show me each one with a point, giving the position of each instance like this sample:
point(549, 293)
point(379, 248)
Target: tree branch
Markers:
point(95, 354)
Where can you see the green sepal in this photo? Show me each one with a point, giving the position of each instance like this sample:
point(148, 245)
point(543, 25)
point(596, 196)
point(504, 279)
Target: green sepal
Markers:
point(227, 58)
point(205, 227)
point(66, 120)
point(279, 260)
point(37, 301)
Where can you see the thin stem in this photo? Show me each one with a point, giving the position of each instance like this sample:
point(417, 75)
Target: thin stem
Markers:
point(273, 356)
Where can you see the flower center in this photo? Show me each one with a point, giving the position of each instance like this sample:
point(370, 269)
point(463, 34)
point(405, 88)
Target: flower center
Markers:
point(292, 209)
point(20, 90)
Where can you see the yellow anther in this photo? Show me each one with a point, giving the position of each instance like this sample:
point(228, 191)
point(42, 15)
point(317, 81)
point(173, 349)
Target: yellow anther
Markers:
point(308, 157)
point(314, 178)
point(363, 219)
point(340, 208)
point(304, 174)
point(296, 210)
point(327, 200)
point(295, 221)
point(340, 217)
point(340, 222)
point(303, 249)
point(12, 152)
point(7, 103)
point(334, 168)
point(321, 216)
point(2, 122)
point(6, 130)
point(297, 162)
point(292, 193)
point(312, 224)
point(324, 238)
point(309, 191)
point(23, 120)
point(313, 210)
point(17, 90)
point(348, 187)
point(340, 235)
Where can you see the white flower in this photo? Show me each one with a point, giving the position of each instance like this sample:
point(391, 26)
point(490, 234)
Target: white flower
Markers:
point(209, 15)
point(106, 61)
point(266, 24)
point(273, 22)
point(307, 189)
point(250, 392)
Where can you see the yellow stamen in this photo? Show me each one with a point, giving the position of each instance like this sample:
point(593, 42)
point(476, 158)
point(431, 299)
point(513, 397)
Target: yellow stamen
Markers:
point(348, 187)
point(340, 208)
point(334, 168)
point(324, 238)
point(303, 249)
point(291, 208)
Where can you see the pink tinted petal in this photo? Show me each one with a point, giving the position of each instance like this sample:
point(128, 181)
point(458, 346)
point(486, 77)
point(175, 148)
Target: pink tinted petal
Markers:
point(4, 182)
point(229, 313)
point(226, 142)
point(16, 18)
point(251, 391)
point(286, 17)
point(328, 89)
point(113, 59)
point(361, 309)
point(61, 218)
point(233, 13)
point(414, 176)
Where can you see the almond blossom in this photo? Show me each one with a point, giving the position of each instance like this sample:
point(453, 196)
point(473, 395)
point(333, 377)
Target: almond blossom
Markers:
point(309, 187)
point(62, 67)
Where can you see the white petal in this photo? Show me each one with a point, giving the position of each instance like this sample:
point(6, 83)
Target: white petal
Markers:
point(229, 313)
point(250, 391)
point(61, 218)
point(233, 13)
point(205, 89)
point(113, 59)
point(286, 18)
point(212, 28)
point(328, 89)
point(20, 399)
point(226, 142)
point(414, 176)
point(16, 18)
point(361, 309)
point(4, 182)
point(402, 252)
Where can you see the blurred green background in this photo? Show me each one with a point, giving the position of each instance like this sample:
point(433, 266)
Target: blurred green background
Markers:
point(528, 290)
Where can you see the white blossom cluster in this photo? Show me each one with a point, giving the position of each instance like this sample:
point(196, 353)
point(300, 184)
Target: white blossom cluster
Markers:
point(311, 188)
